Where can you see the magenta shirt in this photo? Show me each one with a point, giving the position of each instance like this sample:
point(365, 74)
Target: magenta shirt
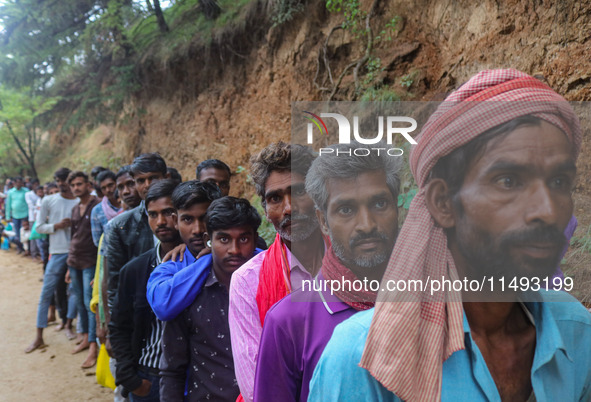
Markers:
point(296, 331)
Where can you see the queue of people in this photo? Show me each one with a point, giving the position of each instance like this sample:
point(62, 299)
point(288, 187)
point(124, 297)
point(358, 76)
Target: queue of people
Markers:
point(173, 280)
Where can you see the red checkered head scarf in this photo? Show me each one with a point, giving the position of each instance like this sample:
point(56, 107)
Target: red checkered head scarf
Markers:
point(410, 337)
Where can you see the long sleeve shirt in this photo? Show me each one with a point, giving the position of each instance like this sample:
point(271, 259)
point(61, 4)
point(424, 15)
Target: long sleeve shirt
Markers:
point(31, 199)
point(16, 206)
point(99, 221)
point(174, 285)
point(245, 323)
point(54, 208)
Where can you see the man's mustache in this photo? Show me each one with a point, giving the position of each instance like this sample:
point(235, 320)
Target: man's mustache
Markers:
point(373, 235)
point(539, 234)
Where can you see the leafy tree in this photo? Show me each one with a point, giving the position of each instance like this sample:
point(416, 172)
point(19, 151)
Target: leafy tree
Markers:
point(21, 120)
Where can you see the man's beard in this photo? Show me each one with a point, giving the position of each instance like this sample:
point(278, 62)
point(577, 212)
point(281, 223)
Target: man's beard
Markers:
point(363, 261)
point(306, 226)
point(492, 258)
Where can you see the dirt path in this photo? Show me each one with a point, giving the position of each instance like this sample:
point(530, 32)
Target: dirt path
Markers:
point(52, 374)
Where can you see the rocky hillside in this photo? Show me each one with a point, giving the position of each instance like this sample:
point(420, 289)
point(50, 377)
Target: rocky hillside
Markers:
point(232, 97)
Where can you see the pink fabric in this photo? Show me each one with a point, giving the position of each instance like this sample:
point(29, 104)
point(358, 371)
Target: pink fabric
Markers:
point(244, 320)
point(334, 270)
point(274, 282)
point(411, 336)
point(110, 213)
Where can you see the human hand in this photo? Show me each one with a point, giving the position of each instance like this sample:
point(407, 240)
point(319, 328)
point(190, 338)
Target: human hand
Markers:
point(64, 223)
point(144, 389)
point(177, 252)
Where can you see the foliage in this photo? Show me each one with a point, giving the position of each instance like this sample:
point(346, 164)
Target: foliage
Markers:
point(582, 243)
point(380, 94)
point(21, 119)
point(285, 10)
point(87, 52)
point(389, 29)
point(354, 15)
point(266, 230)
point(409, 79)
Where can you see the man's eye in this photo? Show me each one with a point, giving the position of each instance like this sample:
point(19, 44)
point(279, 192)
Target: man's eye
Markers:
point(168, 213)
point(345, 210)
point(561, 182)
point(152, 215)
point(223, 240)
point(244, 240)
point(300, 191)
point(187, 219)
point(273, 199)
point(381, 204)
point(506, 181)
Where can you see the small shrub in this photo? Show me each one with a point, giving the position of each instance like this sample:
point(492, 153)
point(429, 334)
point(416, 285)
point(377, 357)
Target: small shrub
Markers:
point(285, 10)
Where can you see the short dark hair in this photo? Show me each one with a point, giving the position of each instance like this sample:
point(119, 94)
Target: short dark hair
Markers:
point(123, 171)
point(145, 163)
point(96, 171)
point(35, 181)
point(193, 192)
point(62, 174)
point(160, 189)
point(229, 212)
point(453, 167)
point(104, 175)
point(50, 185)
point(212, 163)
point(175, 175)
point(75, 174)
point(281, 157)
point(18, 178)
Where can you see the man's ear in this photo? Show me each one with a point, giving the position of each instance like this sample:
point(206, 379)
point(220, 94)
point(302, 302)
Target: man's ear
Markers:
point(206, 237)
point(322, 221)
point(439, 203)
point(176, 222)
point(167, 175)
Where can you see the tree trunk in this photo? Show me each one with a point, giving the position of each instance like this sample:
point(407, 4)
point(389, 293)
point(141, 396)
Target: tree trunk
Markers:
point(210, 8)
point(160, 17)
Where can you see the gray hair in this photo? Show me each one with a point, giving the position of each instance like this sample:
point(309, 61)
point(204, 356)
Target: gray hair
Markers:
point(339, 165)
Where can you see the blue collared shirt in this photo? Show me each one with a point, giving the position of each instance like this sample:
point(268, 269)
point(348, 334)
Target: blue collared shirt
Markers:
point(99, 221)
point(561, 370)
point(174, 285)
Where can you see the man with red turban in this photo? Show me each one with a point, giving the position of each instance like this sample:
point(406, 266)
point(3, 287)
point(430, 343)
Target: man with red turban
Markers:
point(495, 166)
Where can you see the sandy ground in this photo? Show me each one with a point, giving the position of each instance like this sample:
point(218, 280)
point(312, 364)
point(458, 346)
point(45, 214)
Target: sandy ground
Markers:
point(52, 374)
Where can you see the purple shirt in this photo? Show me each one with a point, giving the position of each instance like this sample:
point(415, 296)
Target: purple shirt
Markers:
point(568, 233)
point(296, 331)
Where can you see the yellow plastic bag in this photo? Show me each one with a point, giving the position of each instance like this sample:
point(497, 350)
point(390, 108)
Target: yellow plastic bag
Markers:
point(103, 372)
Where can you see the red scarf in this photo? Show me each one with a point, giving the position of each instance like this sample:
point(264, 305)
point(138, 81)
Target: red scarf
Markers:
point(274, 278)
point(334, 270)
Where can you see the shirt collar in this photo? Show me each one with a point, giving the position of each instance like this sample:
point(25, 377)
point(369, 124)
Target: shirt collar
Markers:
point(331, 302)
point(294, 263)
point(211, 278)
point(158, 256)
point(188, 257)
point(548, 338)
point(114, 208)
